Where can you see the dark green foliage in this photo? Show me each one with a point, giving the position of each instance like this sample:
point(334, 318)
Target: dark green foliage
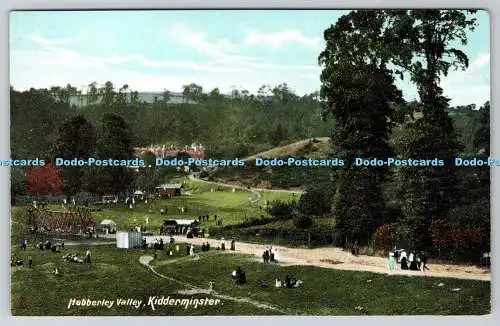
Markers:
point(358, 91)
point(482, 135)
point(283, 210)
point(316, 201)
point(430, 192)
point(17, 184)
point(115, 142)
point(277, 135)
point(77, 139)
point(303, 222)
point(35, 119)
point(416, 42)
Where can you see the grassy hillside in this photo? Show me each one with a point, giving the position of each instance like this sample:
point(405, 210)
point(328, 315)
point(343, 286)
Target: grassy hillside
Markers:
point(116, 273)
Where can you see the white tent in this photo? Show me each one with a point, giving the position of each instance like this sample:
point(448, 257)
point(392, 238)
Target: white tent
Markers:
point(108, 225)
point(138, 192)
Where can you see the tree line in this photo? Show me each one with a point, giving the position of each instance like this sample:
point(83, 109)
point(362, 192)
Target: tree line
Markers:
point(365, 51)
point(358, 106)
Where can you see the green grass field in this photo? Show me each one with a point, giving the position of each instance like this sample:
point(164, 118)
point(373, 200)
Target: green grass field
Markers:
point(116, 273)
point(231, 208)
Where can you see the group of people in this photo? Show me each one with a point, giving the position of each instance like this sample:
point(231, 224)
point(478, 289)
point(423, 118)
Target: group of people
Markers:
point(47, 245)
point(205, 218)
point(288, 283)
point(158, 245)
point(270, 255)
point(238, 276)
point(75, 258)
point(19, 262)
point(205, 246)
point(415, 261)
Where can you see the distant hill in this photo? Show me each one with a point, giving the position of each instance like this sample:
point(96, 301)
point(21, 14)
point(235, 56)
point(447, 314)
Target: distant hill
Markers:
point(315, 148)
point(283, 177)
point(466, 124)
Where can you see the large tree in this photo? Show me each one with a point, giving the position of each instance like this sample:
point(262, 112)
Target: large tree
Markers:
point(77, 139)
point(358, 91)
point(108, 94)
point(422, 42)
point(419, 43)
point(115, 142)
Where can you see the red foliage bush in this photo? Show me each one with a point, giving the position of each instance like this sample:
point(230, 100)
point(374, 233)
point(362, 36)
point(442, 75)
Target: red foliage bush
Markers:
point(461, 241)
point(384, 237)
point(45, 180)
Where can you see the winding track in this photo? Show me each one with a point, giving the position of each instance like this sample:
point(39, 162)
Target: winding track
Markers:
point(146, 261)
point(336, 258)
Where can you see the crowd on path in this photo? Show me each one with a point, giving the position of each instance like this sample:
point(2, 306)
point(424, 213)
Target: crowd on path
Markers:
point(270, 255)
point(415, 261)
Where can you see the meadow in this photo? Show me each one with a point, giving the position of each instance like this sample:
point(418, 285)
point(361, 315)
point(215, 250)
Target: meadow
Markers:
point(116, 273)
point(198, 199)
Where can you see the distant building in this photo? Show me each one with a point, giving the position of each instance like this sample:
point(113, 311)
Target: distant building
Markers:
point(169, 190)
point(143, 97)
point(195, 150)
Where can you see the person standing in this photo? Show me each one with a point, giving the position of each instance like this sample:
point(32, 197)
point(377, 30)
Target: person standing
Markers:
point(87, 256)
point(211, 287)
point(392, 261)
point(423, 257)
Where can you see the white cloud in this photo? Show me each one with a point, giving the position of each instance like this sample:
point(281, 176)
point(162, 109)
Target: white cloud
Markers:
point(43, 76)
point(311, 76)
point(469, 86)
point(51, 64)
point(279, 39)
point(43, 41)
point(54, 63)
point(220, 49)
point(57, 57)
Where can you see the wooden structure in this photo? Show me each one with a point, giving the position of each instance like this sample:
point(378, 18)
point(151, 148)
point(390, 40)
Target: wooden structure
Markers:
point(128, 240)
point(169, 190)
point(42, 221)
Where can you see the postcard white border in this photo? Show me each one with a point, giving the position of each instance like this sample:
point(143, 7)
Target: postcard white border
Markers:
point(6, 5)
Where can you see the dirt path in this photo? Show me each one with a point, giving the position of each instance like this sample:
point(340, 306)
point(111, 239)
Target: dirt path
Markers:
point(146, 260)
point(336, 258)
point(191, 177)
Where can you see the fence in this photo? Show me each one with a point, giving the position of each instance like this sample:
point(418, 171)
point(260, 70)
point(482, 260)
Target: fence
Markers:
point(54, 200)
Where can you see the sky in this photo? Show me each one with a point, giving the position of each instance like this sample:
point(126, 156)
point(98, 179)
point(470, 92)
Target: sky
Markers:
point(157, 50)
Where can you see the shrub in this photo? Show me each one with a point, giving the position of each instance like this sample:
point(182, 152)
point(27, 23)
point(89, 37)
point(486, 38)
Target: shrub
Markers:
point(459, 242)
point(384, 237)
point(317, 200)
point(283, 210)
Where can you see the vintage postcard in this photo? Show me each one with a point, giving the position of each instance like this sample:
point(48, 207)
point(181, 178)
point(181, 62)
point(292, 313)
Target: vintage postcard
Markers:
point(250, 162)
